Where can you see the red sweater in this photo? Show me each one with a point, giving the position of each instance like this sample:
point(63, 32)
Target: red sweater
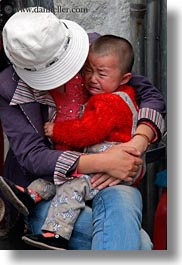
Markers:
point(107, 117)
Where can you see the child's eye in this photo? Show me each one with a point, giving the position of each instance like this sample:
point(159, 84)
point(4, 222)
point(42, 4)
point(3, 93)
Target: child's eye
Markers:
point(102, 74)
point(88, 70)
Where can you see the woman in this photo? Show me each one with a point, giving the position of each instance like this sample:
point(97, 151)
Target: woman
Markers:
point(46, 58)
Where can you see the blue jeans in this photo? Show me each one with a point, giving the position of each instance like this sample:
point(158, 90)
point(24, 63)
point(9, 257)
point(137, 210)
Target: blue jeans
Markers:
point(113, 222)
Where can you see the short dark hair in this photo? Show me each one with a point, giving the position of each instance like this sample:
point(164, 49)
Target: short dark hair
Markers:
point(121, 47)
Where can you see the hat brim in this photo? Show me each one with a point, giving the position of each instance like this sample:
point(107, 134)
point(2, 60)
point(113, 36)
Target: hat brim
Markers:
point(64, 69)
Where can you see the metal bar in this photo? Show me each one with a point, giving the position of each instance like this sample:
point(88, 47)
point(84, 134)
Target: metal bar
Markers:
point(163, 48)
point(137, 13)
point(152, 41)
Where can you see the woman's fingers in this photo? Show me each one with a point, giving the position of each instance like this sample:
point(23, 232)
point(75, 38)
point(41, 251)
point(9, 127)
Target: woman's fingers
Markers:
point(101, 181)
point(115, 182)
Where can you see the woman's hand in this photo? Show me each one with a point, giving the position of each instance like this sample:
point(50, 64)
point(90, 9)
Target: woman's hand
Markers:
point(119, 162)
point(129, 165)
point(100, 181)
point(122, 161)
point(138, 142)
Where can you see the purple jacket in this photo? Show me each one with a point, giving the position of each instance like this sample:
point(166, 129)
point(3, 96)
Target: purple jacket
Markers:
point(30, 155)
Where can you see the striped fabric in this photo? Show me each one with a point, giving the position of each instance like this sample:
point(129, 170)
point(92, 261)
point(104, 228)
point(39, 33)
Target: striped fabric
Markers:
point(153, 116)
point(25, 94)
point(65, 162)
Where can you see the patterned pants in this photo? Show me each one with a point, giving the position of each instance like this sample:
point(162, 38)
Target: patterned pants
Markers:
point(66, 205)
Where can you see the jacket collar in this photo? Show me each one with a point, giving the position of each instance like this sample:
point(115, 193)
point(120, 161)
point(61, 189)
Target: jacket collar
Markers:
point(24, 94)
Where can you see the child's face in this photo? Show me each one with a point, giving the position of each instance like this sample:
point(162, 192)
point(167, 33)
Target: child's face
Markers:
point(102, 73)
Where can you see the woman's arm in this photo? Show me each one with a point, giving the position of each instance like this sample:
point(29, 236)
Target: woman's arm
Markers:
point(34, 156)
point(144, 135)
point(152, 108)
point(150, 123)
point(27, 143)
point(23, 125)
point(147, 95)
point(118, 162)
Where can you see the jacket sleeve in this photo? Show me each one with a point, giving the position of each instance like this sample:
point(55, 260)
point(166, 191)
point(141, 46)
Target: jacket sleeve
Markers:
point(98, 120)
point(147, 95)
point(28, 144)
point(152, 108)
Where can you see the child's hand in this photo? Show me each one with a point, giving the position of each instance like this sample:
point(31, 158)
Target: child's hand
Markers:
point(48, 129)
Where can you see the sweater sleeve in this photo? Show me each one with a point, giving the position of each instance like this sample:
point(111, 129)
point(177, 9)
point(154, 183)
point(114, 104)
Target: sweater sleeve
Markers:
point(99, 118)
point(152, 108)
point(147, 95)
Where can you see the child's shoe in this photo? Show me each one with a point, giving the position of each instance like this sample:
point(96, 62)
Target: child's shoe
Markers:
point(21, 200)
point(55, 242)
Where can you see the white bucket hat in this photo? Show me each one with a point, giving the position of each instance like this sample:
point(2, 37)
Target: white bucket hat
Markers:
point(45, 52)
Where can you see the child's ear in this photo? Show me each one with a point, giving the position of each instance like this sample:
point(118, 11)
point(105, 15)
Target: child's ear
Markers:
point(126, 78)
